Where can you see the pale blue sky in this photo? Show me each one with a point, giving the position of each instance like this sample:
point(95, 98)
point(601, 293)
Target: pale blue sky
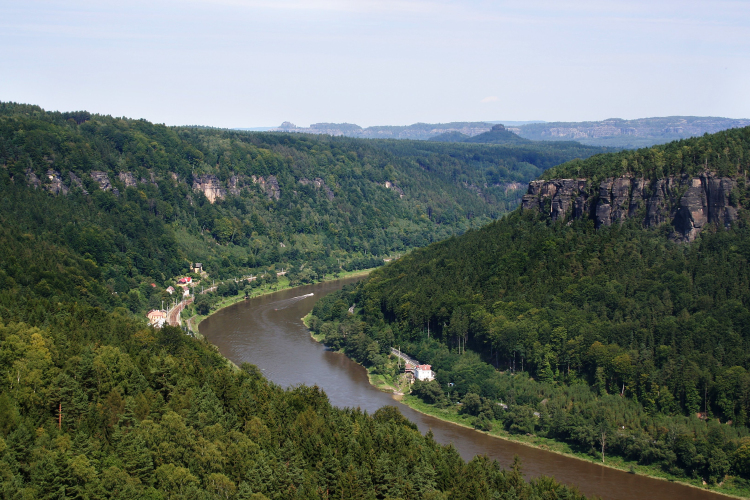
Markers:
point(247, 63)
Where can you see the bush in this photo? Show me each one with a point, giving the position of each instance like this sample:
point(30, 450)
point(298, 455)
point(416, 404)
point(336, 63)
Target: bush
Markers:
point(430, 392)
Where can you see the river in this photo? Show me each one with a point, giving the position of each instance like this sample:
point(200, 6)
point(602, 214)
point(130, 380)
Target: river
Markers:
point(267, 331)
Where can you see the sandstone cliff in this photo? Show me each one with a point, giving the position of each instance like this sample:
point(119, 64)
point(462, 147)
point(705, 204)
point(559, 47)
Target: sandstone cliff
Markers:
point(269, 185)
point(687, 203)
point(210, 186)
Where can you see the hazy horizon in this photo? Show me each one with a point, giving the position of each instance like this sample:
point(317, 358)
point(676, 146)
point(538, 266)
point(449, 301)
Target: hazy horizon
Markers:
point(257, 63)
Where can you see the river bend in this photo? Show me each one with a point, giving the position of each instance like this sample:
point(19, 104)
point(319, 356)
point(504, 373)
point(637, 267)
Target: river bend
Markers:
point(267, 331)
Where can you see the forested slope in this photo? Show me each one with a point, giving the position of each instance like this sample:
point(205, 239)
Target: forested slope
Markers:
point(619, 327)
point(138, 202)
point(94, 405)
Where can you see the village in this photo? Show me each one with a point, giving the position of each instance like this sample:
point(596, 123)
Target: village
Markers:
point(172, 315)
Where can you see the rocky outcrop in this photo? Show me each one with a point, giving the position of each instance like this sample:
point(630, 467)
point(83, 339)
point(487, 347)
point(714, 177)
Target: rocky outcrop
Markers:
point(128, 179)
point(56, 185)
point(688, 204)
point(318, 183)
point(556, 197)
point(269, 185)
point(152, 180)
point(705, 201)
point(76, 181)
point(102, 179)
point(32, 180)
point(394, 187)
point(210, 186)
point(234, 185)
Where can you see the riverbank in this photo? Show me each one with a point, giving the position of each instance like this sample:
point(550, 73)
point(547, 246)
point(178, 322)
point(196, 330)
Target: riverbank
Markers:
point(377, 380)
point(193, 322)
point(728, 488)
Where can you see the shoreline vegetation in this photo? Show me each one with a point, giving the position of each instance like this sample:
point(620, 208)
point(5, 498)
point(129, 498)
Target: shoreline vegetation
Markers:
point(400, 389)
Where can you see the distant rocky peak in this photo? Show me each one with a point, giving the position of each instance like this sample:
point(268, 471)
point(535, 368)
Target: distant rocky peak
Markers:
point(687, 203)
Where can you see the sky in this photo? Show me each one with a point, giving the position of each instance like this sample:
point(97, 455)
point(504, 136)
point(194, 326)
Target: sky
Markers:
point(253, 63)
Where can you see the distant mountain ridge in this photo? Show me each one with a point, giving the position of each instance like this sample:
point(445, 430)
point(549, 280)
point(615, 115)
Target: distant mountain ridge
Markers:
point(613, 132)
point(616, 132)
point(417, 131)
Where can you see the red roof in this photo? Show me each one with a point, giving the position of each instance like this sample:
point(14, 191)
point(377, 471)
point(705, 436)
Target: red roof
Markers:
point(424, 367)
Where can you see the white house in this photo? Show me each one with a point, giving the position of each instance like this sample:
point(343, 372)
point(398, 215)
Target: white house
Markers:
point(424, 373)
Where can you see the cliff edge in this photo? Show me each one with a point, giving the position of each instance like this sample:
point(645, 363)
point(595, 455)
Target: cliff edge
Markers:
point(686, 202)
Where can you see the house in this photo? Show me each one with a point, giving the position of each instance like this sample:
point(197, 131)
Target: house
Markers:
point(186, 292)
point(170, 290)
point(424, 373)
point(157, 318)
point(185, 281)
point(197, 268)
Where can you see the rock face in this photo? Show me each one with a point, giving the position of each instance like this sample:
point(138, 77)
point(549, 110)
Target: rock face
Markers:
point(56, 185)
point(561, 194)
point(318, 183)
point(32, 180)
point(269, 185)
point(687, 203)
point(102, 179)
point(128, 179)
point(76, 181)
point(210, 186)
point(394, 187)
point(234, 185)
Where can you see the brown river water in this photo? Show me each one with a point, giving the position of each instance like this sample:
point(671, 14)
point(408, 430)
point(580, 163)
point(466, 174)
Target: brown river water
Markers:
point(268, 332)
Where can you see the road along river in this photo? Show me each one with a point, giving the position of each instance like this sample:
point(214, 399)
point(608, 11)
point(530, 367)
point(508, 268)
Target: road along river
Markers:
point(267, 331)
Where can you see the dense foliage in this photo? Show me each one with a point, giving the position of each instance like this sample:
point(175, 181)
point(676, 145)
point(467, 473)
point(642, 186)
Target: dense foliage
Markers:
point(726, 153)
point(620, 328)
point(150, 223)
point(93, 405)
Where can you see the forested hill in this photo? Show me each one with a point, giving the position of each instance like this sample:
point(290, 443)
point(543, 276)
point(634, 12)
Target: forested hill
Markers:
point(101, 207)
point(93, 405)
point(588, 312)
point(498, 134)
